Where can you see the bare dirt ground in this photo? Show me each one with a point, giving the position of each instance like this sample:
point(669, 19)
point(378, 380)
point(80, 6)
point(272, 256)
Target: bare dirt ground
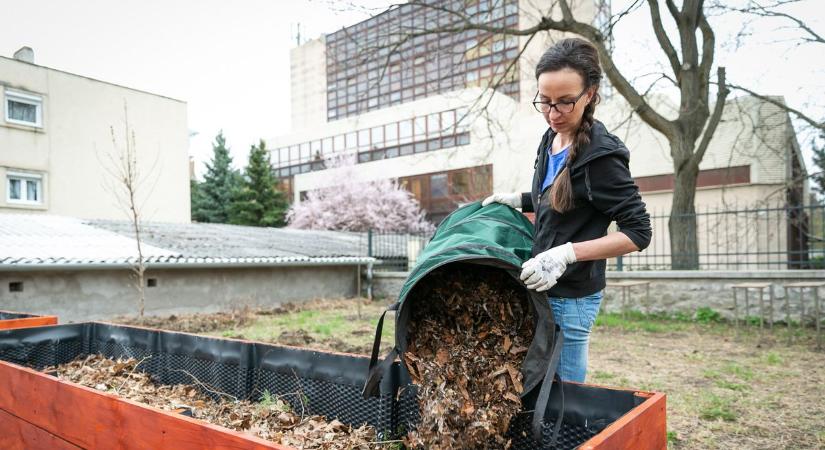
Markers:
point(725, 389)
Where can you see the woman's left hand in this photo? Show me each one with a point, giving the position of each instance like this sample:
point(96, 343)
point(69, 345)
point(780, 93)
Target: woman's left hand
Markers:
point(541, 272)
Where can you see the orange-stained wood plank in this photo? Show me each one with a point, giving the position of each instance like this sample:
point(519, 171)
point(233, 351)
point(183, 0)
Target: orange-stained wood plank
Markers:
point(643, 428)
point(92, 419)
point(27, 322)
point(17, 434)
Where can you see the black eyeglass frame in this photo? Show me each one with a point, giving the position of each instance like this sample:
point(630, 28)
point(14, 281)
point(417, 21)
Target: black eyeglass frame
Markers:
point(550, 106)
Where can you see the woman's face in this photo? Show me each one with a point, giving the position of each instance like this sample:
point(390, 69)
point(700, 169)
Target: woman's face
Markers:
point(563, 86)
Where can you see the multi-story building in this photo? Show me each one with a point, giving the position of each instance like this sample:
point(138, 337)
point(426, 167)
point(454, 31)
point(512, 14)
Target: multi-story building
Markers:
point(412, 110)
point(409, 110)
point(61, 136)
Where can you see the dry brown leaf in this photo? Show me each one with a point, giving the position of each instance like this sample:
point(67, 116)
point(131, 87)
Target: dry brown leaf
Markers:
point(467, 400)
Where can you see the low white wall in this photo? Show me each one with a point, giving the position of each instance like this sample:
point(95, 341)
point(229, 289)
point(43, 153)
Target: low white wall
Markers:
point(76, 296)
point(682, 291)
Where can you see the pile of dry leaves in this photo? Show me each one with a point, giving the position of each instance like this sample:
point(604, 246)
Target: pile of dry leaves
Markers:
point(468, 335)
point(272, 418)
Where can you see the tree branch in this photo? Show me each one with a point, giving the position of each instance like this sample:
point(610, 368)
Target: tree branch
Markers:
point(799, 114)
point(566, 24)
point(764, 11)
point(713, 122)
point(708, 43)
point(674, 11)
point(661, 36)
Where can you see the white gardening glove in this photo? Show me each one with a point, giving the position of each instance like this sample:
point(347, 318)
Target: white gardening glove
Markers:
point(512, 199)
point(541, 272)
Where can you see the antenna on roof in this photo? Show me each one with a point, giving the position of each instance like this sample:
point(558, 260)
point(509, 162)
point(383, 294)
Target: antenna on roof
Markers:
point(296, 33)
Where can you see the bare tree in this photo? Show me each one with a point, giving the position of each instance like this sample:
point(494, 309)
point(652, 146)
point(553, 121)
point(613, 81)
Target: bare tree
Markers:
point(689, 54)
point(127, 184)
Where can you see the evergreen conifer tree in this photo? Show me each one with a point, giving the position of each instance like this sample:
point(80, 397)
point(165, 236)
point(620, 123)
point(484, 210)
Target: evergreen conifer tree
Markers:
point(212, 200)
point(258, 202)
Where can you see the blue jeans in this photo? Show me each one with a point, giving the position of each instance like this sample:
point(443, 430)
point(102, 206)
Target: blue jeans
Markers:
point(575, 316)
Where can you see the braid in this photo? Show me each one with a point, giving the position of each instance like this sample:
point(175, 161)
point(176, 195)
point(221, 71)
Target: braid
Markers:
point(561, 193)
point(581, 56)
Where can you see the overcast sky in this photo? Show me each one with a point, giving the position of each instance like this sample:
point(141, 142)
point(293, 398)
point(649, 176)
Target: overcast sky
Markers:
point(229, 60)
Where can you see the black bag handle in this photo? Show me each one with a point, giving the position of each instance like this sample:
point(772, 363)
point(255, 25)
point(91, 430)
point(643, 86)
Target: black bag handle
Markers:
point(544, 392)
point(376, 370)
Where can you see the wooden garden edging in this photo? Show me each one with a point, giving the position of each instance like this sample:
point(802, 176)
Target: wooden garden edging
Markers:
point(45, 411)
point(26, 322)
point(41, 411)
point(644, 427)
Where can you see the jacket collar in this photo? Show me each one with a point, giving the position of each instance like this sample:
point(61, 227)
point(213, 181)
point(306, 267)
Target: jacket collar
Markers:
point(601, 143)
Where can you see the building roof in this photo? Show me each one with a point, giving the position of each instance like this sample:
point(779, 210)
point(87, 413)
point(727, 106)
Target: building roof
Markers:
point(36, 241)
point(91, 78)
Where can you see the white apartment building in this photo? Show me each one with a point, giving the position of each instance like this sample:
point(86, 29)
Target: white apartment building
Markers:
point(414, 116)
point(57, 154)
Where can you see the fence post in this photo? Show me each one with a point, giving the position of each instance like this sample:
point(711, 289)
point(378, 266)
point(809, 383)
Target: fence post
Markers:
point(619, 263)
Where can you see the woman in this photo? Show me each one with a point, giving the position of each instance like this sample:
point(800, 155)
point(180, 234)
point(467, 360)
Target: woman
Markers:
point(581, 183)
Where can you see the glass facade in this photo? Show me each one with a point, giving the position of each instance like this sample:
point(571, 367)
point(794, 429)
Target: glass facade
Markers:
point(387, 60)
point(406, 137)
point(440, 193)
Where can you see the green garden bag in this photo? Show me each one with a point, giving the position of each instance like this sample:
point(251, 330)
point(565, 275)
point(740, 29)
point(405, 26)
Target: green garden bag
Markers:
point(494, 236)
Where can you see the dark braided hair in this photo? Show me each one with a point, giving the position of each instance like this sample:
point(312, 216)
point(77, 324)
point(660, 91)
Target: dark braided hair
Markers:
point(582, 57)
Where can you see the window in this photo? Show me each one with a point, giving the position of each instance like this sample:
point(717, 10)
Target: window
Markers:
point(378, 137)
point(415, 68)
point(433, 124)
point(352, 143)
point(420, 128)
point(364, 139)
point(315, 149)
point(438, 185)
point(24, 109)
point(24, 188)
point(405, 128)
point(392, 134)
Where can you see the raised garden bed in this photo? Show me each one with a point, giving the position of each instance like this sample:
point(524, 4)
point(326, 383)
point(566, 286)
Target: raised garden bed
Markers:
point(41, 411)
point(10, 320)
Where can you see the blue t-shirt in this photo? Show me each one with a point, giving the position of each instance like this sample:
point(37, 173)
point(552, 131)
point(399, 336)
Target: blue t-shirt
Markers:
point(554, 165)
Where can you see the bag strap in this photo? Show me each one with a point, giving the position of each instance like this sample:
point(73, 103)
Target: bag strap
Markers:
point(376, 370)
point(544, 392)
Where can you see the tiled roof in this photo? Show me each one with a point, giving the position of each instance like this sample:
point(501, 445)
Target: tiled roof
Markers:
point(45, 241)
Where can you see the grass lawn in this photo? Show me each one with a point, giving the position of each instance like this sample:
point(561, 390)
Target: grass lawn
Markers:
point(726, 388)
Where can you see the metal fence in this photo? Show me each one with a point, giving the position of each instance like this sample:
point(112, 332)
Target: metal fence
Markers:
point(775, 238)
point(395, 251)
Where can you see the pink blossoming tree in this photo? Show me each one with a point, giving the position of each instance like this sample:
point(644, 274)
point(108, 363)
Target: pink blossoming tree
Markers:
point(357, 205)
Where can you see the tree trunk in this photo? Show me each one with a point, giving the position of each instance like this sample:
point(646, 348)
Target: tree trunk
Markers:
point(684, 246)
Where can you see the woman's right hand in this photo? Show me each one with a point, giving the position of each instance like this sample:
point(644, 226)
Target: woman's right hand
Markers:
point(512, 199)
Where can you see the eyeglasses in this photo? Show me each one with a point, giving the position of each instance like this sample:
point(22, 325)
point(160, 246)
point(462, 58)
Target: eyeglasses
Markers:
point(562, 107)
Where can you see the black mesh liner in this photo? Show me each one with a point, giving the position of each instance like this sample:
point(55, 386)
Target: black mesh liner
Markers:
point(6, 315)
point(315, 382)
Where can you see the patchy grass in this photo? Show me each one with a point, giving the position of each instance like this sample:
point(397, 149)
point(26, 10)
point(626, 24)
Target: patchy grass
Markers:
point(326, 325)
point(636, 321)
point(715, 407)
point(726, 387)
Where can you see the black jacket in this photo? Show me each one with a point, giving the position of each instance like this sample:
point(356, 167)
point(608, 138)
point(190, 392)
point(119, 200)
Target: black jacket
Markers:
point(603, 192)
